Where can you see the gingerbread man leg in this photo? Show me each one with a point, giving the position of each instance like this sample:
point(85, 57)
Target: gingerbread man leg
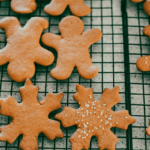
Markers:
point(4, 58)
point(19, 71)
point(78, 8)
point(86, 69)
point(63, 68)
point(56, 7)
point(23, 6)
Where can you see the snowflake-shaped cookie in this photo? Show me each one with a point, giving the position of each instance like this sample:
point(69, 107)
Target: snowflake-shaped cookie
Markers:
point(23, 48)
point(146, 5)
point(30, 117)
point(77, 7)
point(95, 118)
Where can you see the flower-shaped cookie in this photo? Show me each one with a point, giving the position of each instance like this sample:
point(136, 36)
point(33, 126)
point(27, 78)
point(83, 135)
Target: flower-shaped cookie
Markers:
point(23, 6)
point(95, 118)
point(23, 48)
point(143, 63)
point(146, 5)
point(30, 117)
point(77, 7)
point(72, 48)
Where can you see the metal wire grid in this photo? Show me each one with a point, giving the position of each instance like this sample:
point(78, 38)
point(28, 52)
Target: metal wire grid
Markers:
point(109, 55)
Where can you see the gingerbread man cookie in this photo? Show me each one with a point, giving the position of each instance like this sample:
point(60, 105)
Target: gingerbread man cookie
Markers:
point(143, 63)
point(146, 5)
point(95, 118)
point(23, 6)
point(72, 48)
point(30, 117)
point(23, 48)
point(77, 7)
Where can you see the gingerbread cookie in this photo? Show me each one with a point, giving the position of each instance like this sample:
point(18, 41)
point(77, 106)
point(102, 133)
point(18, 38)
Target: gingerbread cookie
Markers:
point(148, 129)
point(30, 117)
point(143, 63)
point(146, 5)
point(23, 6)
point(23, 48)
point(72, 48)
point(77, 7)
point(95, 118)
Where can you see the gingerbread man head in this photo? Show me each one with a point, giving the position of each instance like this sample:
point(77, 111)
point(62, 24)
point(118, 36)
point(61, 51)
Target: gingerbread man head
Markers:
point(71, 26)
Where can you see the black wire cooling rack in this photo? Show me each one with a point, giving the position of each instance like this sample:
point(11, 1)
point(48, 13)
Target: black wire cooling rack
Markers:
point(115, 55)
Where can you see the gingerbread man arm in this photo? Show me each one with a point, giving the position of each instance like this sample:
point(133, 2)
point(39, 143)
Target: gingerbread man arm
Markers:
point(91, 36)
point(35, 26)
point(43, 56)
point(56, 7)
point(146, 7)
point(4, 56)
point(8, 106)
point(23, 6)
point(10, 25)
point(137, 1)
point(51, 40)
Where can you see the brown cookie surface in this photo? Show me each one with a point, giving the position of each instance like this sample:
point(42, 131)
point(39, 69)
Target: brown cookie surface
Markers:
point(77, 7)
point(143, 63)
point(95, 118)
point(30, 117)
point(23, 48)
point(23, 6)
point(136, 1)
point(72, 48)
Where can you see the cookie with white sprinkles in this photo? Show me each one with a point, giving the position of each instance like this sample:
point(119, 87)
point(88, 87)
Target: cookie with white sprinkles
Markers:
point(95, 118)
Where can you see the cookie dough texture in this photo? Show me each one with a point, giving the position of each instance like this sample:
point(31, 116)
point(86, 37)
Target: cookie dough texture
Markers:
point(95, 118)
point(77, 7)
point(72, 48)
point(23, 48)
point(23, 6)
point(146, 5)
point(30, 117)
point(143, 63)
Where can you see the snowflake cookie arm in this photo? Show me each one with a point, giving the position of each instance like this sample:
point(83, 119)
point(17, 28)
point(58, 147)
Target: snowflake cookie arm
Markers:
point(91, 36)
point(9, 133)
point(23, 6)
point(51, 40)
point(10, 25)
point(107, 140)
point(52, 102)
point(52, 130)
point(83, 95)
point(110, 97)
point(67, 116)
point(122, 119)
point(43, 56)
point(80, 141)
point(8, 107)
point(56, 7)
point(29, 143)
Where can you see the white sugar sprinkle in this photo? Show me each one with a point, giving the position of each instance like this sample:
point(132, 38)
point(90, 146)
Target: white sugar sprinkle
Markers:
point(83, 115)
point(97, 116)
point(82, 120)
point(65, 115)
point(78, 120)
point(79, 136)
point(89, 130)
point(86, 134)
point(92, 107)
point(87, 105)
point(109, 118)
point(79, 125)
point(82, 137)
point(105, 116)
point(100, 126)
point(99, 105)
point(79, 102)
point(105, 122)
point(87, 123)
point(101, 120)
point(90, 96)
point(92, 130)
point(85, 126)
point(104, 104)
point(95, 112)
point(116, 122)
point(82, 108)
point(81, 131)
point(90, 112)
point(75, 121)
point(103, 128)
point(85, 137)
point(146, 57)
point(126, 117)
point(77, 112)
point(145, 62)
point(90, 124)
point(101, 112)
point(108, 109)
point(111, 124)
